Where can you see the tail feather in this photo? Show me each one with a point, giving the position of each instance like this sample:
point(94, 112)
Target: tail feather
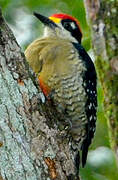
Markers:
point(77, 163)
point(84, 153)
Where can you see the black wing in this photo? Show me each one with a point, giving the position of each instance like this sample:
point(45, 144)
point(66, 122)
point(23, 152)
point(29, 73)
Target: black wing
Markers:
point(90, 83)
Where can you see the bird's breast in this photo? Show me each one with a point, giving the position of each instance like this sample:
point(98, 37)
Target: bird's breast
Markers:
point(44, 87)
point(69, 97)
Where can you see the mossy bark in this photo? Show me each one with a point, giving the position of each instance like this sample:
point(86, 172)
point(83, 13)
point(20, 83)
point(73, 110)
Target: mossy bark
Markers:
point(103, 19)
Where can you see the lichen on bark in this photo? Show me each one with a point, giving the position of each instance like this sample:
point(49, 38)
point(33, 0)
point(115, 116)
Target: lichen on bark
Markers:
point(102, 16)
point(30, 147)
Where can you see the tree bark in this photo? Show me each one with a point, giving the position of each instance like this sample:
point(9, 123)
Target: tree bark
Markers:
point(102, 16)
point(31, 146)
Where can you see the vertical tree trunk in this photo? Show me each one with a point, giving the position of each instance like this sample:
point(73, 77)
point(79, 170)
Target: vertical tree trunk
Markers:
point(103, 19)
point(31, 146)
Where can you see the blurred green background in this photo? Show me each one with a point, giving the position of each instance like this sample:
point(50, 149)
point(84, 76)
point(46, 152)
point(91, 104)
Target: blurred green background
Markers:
point(101, 164)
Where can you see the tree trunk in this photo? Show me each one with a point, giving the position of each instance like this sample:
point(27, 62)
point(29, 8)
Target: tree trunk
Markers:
point(31, 146)
point(103, 19)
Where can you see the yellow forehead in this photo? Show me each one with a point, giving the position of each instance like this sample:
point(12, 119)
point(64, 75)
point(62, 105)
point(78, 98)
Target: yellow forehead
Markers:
point(54, 19)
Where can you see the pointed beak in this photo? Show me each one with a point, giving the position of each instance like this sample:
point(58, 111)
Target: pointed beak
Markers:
point(45, 20)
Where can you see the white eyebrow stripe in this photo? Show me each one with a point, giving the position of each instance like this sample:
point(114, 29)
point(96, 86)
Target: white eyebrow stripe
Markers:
point(73, 25)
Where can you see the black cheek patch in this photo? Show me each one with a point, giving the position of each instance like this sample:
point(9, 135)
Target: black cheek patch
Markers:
point(75, 32)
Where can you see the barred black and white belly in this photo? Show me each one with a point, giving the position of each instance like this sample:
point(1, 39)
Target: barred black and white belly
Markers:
point(70, 99)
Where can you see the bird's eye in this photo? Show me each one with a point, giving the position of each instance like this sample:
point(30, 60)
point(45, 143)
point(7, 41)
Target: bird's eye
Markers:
point(66, 25)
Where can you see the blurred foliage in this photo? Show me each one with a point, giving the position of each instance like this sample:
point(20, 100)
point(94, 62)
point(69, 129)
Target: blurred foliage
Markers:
point(27, 28)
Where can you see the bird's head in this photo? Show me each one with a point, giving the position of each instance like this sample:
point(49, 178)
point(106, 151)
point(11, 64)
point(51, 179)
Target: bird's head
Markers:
point(61, 25)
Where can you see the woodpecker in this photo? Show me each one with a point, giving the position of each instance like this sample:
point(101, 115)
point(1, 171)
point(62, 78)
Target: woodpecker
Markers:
point(67, 76)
